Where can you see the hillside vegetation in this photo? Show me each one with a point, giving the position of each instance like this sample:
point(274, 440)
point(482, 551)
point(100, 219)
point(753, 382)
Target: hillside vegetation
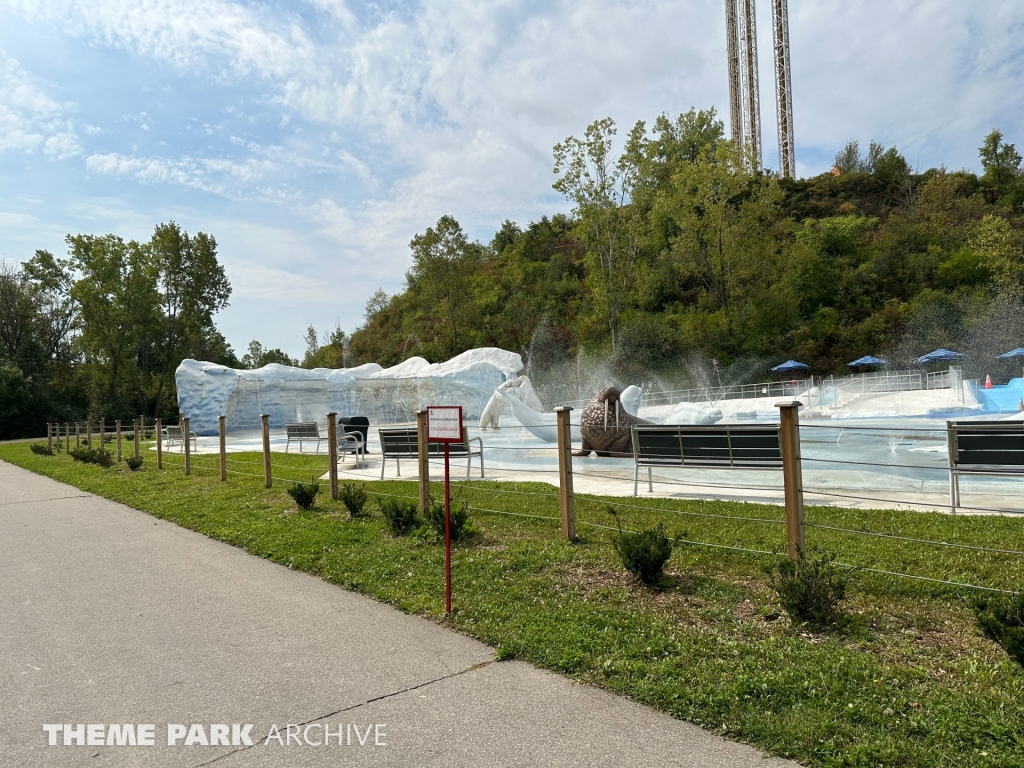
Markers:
point(676, 252)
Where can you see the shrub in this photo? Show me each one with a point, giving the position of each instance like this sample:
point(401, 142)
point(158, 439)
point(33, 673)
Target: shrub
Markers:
point(305, 493)
point(810, 589)
point(134, 462)
point(645, 553)
point(1002, 619)
point(92, 456)
point(353, 497)
point(400, 514)
point(460, 525)
point(42, 449)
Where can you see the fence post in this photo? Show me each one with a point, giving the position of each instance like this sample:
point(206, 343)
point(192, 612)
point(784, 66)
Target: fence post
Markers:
point(103, 434)
point(222, 432)
point(136, 429)
point(67, 435)
point(792, 476)
point(265, 424)
point(188, 445)
point(49, 436)
point(78, 435)
point(88, 433)
point(567, 497)
point(423, 460)
point(157, 427)
point(332, 453)
point(117, 431)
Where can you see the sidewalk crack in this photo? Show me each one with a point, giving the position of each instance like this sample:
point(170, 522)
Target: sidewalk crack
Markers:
point(382, 697)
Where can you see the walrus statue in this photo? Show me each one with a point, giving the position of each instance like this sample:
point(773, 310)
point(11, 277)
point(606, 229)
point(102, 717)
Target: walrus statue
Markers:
point(605, 425)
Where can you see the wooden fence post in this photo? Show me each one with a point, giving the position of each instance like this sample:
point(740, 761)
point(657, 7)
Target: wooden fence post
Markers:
point(222, 432)
point(188, 445)
point(136, 429)
point(159, 444)
point(103, 434)
point(88, 433)
point(49, 436)
point(423, 460)
point(568, 499)
point(265, 423)
point(117, 433)
point(792, 476)
point(78, 435)
point(67, 435)
point(332, 453)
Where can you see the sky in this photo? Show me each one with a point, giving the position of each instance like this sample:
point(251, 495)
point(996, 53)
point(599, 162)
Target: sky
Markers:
point(314, 139)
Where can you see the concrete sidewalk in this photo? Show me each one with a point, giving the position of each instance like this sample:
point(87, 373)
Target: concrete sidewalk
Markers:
point(108, 615)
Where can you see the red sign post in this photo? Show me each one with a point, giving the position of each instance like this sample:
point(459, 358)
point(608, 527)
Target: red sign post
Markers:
point(444, 425)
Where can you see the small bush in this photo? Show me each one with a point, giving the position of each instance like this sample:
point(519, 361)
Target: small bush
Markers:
point(461, 528)
point(353, 497)
point(42, 449)
point(1002, 619)
point(92, 456)
point(810, 589)
point(645, 553)
point(305, 493)
point(134, 462)
point(401, 514)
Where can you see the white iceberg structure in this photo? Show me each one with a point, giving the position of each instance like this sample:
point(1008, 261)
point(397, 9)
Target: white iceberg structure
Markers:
point(207, 391)
point(541, 425)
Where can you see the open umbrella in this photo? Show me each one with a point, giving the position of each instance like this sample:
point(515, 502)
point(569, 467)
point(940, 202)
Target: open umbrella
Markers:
point(1018, 352)
point(867, 360)
point(791, 365)
point(939, 354)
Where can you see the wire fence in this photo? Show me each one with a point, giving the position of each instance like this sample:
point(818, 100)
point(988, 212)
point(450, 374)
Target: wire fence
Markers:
point(967, 552)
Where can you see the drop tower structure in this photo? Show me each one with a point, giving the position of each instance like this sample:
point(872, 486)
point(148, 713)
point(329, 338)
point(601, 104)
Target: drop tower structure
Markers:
point(744, 92)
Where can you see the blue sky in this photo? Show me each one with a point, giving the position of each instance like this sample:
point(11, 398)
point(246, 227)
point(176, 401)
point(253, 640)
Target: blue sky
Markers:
point(314, 139)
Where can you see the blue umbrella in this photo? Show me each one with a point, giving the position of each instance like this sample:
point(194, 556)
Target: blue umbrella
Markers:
point(791, 365)
point(867, 360)
point(1018, 352)
point(939, 354)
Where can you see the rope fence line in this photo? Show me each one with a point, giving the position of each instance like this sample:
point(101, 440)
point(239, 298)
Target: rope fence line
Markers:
point(916, 541)
point(617, 473)
point(593, 500)
point(944, 505)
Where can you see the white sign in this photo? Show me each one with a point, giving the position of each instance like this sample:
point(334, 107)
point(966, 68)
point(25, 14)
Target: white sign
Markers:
point(444, 423)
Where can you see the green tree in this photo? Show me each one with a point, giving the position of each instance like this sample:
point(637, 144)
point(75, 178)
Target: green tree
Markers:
point(600, 187)
point(192, 287)
point(722, 214)
point(258, 356)
point(116, 293)
point(1000, 160)
point(443, 261)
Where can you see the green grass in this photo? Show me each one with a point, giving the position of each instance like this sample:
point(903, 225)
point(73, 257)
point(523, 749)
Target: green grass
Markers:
point(911, 682)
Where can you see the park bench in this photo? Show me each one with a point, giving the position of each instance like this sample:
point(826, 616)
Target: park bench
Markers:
point(301, 431)
point(403, 443)
point(172, 434)
point(742, 446)
point(982, 448)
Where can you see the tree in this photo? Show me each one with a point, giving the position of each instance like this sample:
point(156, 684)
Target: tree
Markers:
point(600, 187)
point(1002, 251)
point(17, 311)
point(117, 297)
point(57, 314)
point(848, 159)
point(722, 214)
point(258, 356)
point(1000, 160)
point(442, 262)
point(192, 286)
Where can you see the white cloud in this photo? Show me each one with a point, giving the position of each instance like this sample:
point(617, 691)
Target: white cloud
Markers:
point(31, 121)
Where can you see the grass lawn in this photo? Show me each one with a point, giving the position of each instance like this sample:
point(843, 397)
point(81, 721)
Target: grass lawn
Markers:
point(911, 681)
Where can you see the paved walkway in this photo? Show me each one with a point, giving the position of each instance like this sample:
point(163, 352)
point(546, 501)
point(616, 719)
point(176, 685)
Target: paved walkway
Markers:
point(108, 615)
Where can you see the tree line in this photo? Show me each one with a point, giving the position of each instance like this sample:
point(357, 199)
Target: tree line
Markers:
point(100, 333)
point(677, 248)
